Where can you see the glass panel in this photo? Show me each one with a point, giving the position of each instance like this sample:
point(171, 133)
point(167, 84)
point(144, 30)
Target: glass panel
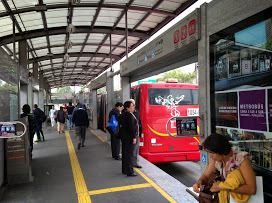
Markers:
point(95, 38)
point(74, 49)
point(81, 63)
point(55, 2)
point(57, 50)
point(171, 5)
point(30, 20)
point(144, 3)
point(6, 26)
point(84, 58)
point(21, 4)
point(90, 48)
point(78, 38)
point(57, 60)
point(165, 96)
point(57, 39)
point(118, 51)
point(39, 42)
point(155, 18)
point(56, 17)
point(105, 50)
point(41, 52)
point(83, 16)
point(72, 59)
point(242, 97)
point(118, 2)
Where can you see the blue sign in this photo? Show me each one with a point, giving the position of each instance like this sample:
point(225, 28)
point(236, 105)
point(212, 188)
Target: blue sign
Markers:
point(153, 54)
point(138, 62)
point(3, 129)
point(192, 125)
point(7, 128)
point(187, 125)
point(204, 159)
point(12, 128)
point(145, 58)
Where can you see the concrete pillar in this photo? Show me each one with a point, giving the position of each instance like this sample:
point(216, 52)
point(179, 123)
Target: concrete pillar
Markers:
point(41, 99)
point(23, 96)
point(22, 64)
point(36, 98)
point(35, 70)
point(94, 109)
point(110, 105)
point(204, 84)
point(125, 85)
point(30, 93)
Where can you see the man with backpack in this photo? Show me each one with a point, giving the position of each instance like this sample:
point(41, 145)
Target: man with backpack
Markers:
point(61, 115)
point(39, 118)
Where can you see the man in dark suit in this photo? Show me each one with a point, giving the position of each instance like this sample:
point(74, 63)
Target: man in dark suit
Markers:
point(115, 143)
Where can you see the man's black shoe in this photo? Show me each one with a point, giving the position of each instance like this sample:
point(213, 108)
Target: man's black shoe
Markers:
point(138, 166)
point(117, 158)
point(82, 145)
point(133, 174)
point(78, 146)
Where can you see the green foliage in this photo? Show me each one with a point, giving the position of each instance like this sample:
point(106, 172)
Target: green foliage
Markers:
point(66, 89)
point(268, 45)
point(102, 90)
point(182, 77)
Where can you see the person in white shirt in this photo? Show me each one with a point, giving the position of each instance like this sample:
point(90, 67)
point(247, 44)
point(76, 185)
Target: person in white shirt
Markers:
point(52, 116)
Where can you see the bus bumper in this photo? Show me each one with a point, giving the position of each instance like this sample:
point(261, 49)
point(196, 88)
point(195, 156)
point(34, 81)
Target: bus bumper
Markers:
point(171, 157)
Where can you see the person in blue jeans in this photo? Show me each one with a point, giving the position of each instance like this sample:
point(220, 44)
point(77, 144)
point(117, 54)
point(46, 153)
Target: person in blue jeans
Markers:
point(70, 110)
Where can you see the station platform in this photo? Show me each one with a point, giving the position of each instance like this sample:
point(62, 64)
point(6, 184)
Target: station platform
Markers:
point(62, 173)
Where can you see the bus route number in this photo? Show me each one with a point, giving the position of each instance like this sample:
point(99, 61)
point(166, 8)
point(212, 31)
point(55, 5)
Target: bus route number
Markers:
point(192, 112)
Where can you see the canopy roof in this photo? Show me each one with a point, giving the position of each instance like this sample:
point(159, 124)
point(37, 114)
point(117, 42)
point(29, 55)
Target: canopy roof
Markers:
point(97, 36)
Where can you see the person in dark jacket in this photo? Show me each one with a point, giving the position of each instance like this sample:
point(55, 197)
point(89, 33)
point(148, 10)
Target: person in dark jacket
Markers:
point(61, 115)
point(38, 122)
point(136, 146)
point(70, 110)
point(81, 121)
point(115, 143)
point(31, 125)
point(127, 132)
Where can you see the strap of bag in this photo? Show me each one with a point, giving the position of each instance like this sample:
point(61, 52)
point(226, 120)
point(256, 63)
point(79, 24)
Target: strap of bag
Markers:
point(137, 123)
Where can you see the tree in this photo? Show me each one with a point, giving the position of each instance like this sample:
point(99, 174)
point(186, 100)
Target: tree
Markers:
point(182, 77)
point(268, 45)
point(102, 90)
point(66, 89)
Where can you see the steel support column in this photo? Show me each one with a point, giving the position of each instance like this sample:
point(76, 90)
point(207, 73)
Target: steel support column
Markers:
point(94, 124)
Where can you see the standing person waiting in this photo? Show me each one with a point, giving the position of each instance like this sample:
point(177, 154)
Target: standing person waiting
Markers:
point(234, 167)
point(115, 143)
point(70, 110)
point(128, 129)
point(136, 146)
point(61, 115)
point(52, 116)
point(81, 121)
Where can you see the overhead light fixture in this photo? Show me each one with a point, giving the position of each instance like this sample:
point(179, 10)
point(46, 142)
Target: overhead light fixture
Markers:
point(66, 57)
point(69, 44)
point(70, 28)
point(65, 64)
point(75, 2)
point(40, 7)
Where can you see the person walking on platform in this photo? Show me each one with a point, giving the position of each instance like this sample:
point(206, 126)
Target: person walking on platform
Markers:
point(61, 115)
point(115, 142)
point(136, 146)
point(81, 121)
point(38, 122)
point(31, 125)
point(127, 132)
point(70, 110)
point(52, 116)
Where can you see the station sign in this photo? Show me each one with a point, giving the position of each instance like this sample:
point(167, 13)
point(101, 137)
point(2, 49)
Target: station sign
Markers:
point(180, 35)
point(10, 129)
point(146, 81)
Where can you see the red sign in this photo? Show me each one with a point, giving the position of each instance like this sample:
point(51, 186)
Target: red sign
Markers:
point(192, 27)
point(183, 32)
point(176, 36)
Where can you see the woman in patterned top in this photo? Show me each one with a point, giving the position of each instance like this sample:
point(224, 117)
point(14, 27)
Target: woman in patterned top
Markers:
point(225, 160)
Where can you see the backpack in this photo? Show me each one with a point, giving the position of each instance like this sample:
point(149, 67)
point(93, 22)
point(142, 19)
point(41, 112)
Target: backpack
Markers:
point(42, 117)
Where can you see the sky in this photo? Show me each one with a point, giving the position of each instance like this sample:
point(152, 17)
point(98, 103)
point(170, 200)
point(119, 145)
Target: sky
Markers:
point(184, 69)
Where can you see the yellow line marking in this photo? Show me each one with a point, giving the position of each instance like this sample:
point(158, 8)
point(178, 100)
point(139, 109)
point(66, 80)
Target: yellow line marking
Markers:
point(97, 136)
point(163, 193)
point(81, 188)
point(117, 189)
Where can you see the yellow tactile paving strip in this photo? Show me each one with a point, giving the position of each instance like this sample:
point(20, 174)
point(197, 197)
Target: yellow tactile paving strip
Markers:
point(81, 188)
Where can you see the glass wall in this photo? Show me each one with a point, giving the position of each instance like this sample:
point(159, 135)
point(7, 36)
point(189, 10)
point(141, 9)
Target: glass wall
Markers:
point(241, 89)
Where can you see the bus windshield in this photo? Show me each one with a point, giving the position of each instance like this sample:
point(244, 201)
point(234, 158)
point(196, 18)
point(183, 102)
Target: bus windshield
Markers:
point(172, 96)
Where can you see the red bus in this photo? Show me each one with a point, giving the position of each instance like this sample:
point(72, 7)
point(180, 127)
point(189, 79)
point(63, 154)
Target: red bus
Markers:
point(157, 103)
